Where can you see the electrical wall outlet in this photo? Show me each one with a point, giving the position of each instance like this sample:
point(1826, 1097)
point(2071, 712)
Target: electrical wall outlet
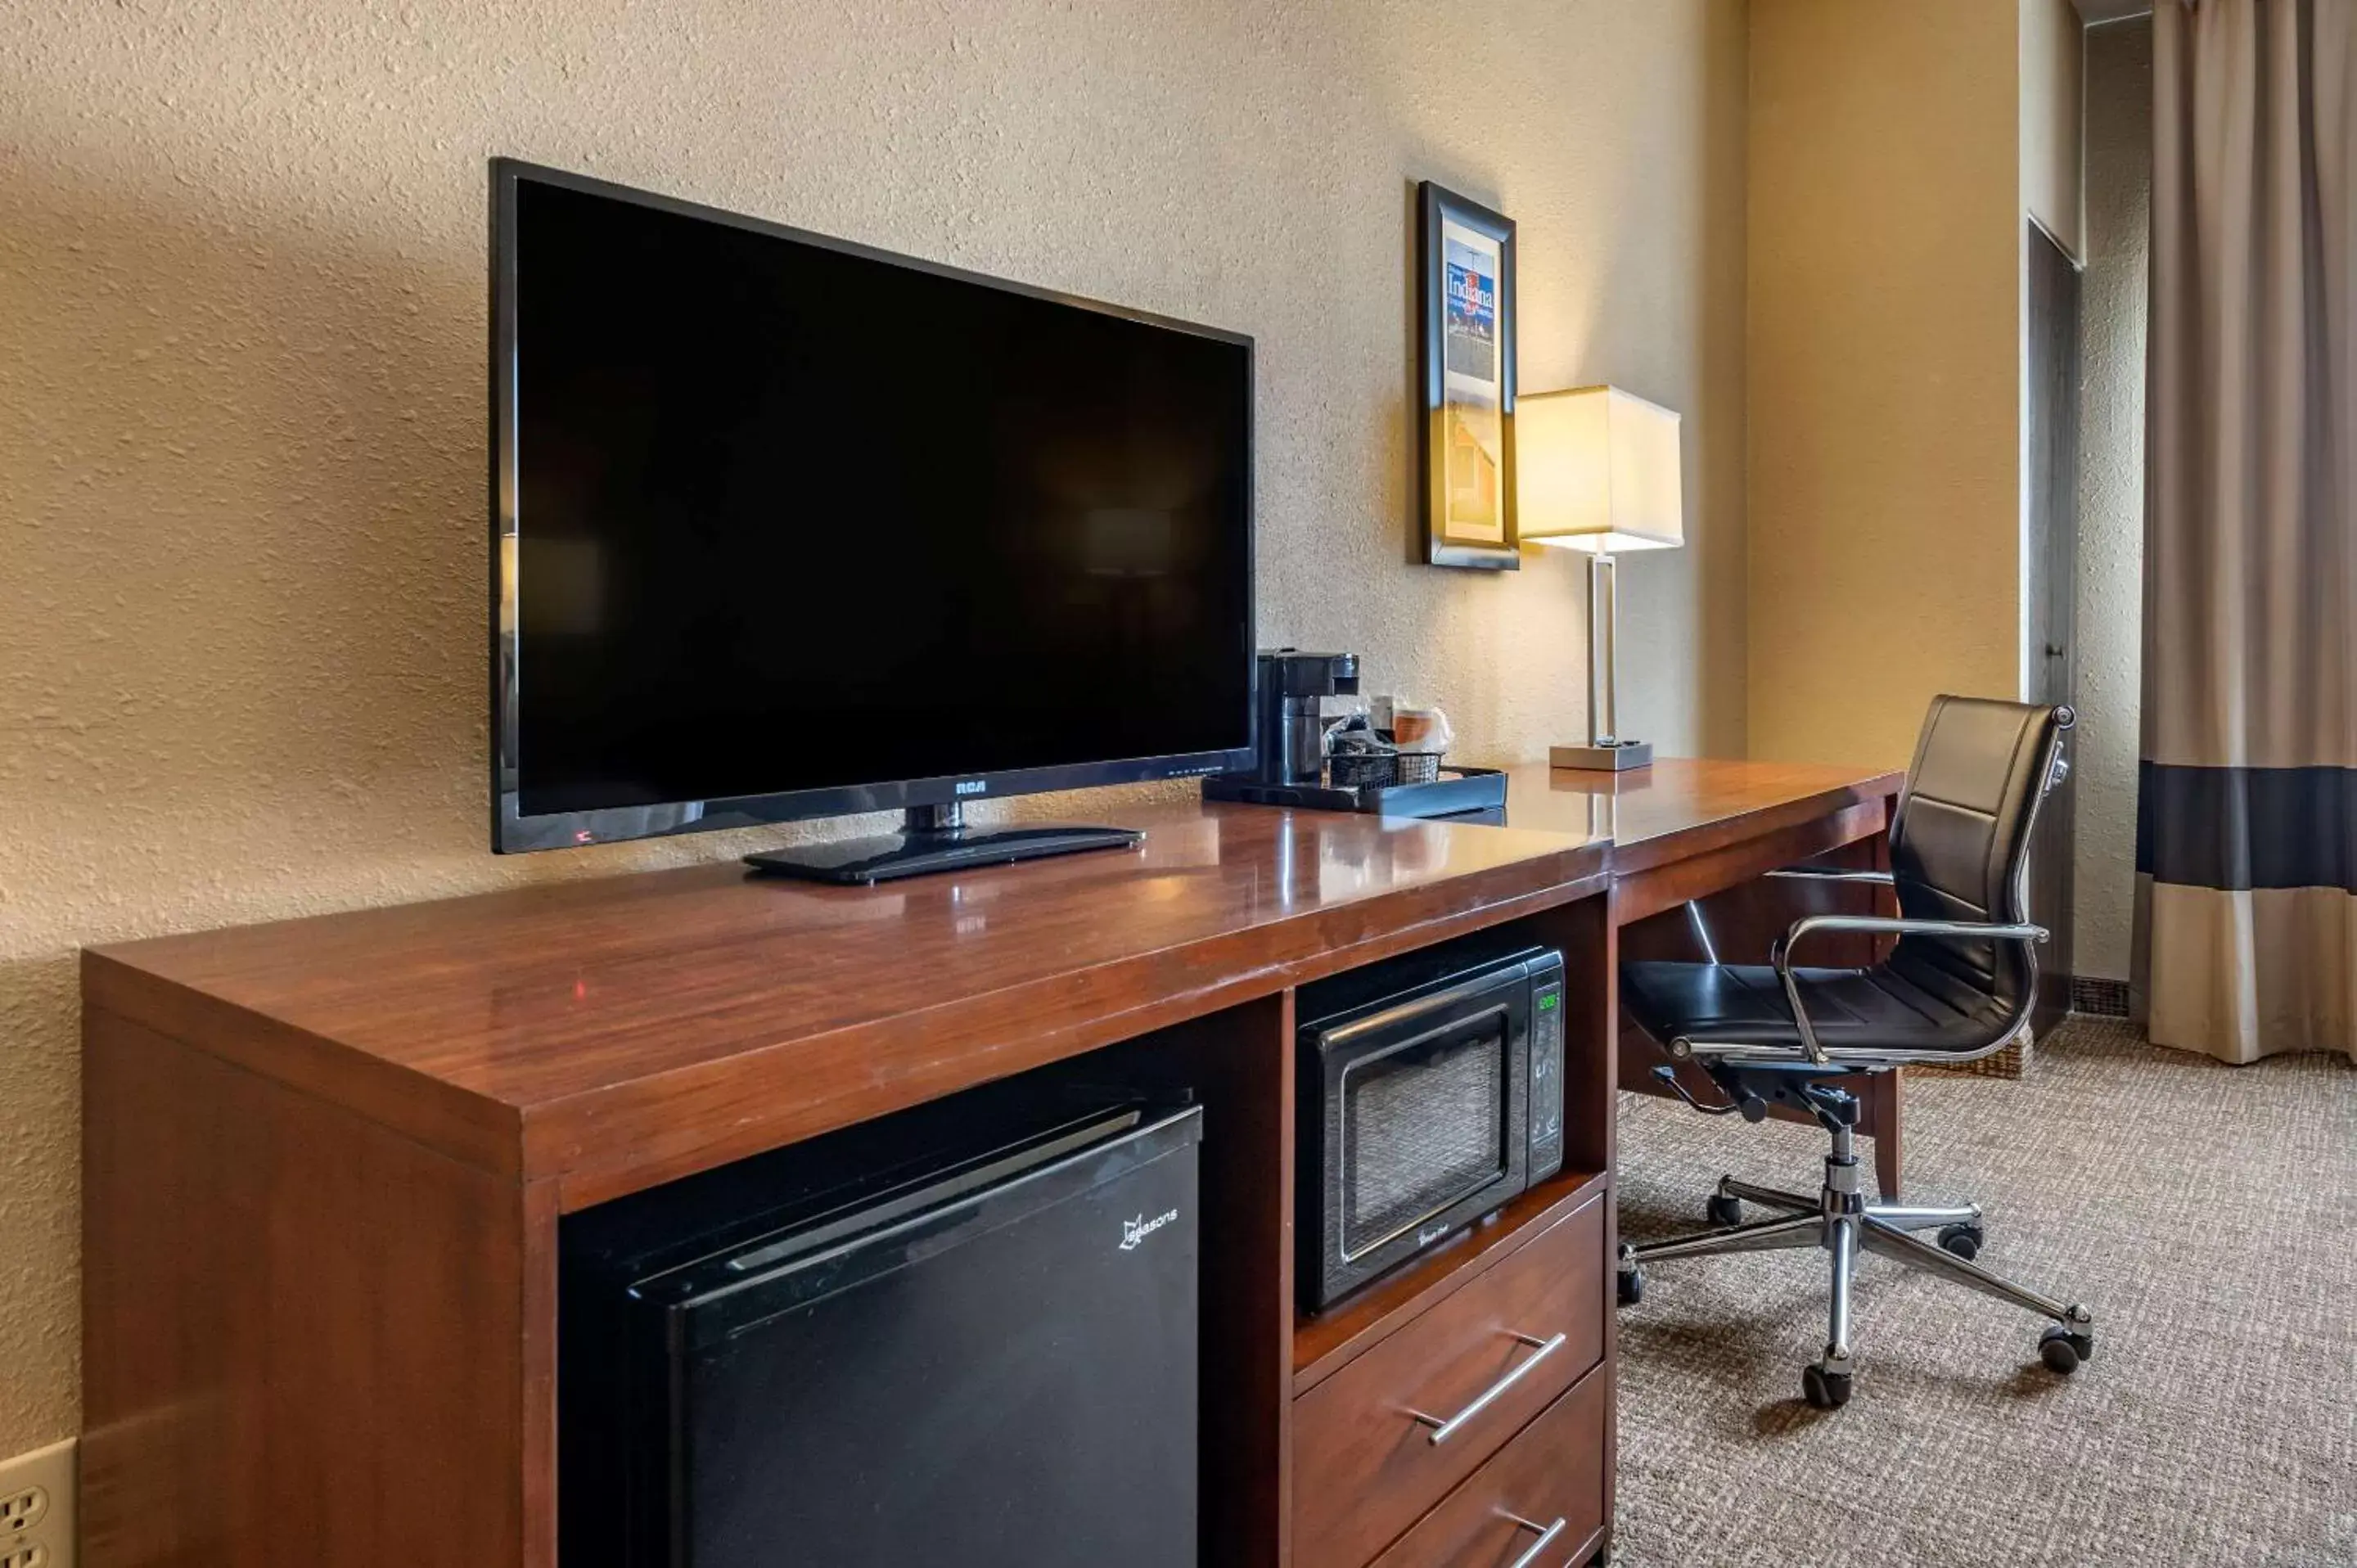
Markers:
point(36, 1509)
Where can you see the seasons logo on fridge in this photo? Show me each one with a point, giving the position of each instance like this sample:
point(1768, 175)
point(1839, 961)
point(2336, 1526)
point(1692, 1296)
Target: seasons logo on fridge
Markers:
point(1133, 1232)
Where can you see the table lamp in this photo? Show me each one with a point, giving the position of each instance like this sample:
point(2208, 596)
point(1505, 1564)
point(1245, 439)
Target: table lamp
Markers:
point(1598, 472)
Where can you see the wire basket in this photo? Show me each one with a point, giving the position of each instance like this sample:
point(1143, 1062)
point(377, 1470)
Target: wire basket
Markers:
point(1419, 767)
point(1363, 770)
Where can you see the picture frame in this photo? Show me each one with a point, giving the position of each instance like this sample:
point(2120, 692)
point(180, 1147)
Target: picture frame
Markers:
point(1465, 382)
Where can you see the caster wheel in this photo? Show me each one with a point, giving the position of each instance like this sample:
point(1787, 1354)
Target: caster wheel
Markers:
point(1826, 1391)
point(1725, 1211)
point(1964, 1241)
point(2062, 1350)
point(1632, 1286)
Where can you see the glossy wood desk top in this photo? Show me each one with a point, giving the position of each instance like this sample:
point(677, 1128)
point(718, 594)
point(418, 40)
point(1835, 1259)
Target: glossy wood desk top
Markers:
point(596, 1031)
point(1684, 806)
point(587, 1030)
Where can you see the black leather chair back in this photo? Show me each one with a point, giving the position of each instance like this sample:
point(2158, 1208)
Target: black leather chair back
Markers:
point(1960, 846)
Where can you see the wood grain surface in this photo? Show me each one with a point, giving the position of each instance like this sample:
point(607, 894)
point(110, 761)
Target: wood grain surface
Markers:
point(305, 1335)
point(1682, 807)
point(1551, 1475)
point(1364, 1470)
point(614, 1034)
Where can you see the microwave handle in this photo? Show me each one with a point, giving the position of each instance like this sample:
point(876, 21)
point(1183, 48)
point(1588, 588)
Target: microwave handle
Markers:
point(1453, 1000)
point(1442, 1431)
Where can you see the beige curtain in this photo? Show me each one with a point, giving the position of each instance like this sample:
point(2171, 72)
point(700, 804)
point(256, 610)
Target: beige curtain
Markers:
point(2246, 847)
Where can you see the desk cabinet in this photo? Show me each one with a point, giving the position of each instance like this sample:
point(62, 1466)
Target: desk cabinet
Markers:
point(1542, 1502)
point(1503, 1347)
point(326, 1160)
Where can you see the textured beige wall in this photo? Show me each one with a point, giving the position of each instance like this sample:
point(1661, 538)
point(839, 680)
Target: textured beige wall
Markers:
point(2111, 492)
point(2052, 70)
point(1883, 368)
point(242, 401)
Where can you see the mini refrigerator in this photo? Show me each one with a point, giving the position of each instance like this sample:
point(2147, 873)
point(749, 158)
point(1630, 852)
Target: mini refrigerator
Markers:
point(966, 1337)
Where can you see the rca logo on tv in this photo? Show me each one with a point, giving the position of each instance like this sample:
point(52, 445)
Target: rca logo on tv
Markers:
point(972, 786)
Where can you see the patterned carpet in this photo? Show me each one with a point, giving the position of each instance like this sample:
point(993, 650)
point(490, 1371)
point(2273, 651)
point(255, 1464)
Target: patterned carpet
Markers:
point(2207, 1215)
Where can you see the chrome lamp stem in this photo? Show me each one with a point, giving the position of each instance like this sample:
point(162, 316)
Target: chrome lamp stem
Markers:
point(1605, 750)
point(1603, 637)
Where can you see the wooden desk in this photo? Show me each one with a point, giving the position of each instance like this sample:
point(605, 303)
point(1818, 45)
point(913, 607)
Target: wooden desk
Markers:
point(1691, 843)
point(323, 1163)
point(324, 1160)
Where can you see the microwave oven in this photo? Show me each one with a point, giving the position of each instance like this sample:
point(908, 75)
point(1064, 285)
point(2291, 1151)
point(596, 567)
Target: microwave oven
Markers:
point(1430, 1092)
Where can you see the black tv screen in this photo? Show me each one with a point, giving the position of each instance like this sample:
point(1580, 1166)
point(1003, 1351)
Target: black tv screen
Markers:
point(787, 527)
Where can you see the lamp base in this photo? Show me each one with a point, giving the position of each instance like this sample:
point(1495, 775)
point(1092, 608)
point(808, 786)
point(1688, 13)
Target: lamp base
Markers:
point(1615, 757)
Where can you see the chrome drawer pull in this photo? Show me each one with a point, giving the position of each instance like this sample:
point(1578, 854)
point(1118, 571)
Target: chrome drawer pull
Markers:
point(1546, 1533)
point(1442, 1431)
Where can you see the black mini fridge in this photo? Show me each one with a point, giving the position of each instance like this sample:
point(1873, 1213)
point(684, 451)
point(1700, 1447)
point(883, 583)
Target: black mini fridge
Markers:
point(968, 1336)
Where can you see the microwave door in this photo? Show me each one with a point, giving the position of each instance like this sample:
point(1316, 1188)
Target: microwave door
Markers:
point(1423, 1131)
point(1422, 1105)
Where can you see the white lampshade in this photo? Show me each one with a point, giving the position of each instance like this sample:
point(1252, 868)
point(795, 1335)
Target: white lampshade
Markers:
point(1597, 470)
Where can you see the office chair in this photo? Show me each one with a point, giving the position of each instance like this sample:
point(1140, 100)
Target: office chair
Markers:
point(1959, 984)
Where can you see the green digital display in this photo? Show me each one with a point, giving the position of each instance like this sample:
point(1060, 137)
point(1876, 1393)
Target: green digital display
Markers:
point(1549, 999)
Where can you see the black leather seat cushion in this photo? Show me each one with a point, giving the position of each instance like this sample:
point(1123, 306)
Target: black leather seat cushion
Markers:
point(1876, 1009)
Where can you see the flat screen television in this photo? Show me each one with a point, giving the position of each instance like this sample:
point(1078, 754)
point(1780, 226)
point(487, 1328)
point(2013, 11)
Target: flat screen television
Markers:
point(787, 527)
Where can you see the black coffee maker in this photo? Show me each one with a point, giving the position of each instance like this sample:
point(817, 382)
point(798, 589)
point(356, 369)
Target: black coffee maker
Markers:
point(1293, 712)
point(1289, 689)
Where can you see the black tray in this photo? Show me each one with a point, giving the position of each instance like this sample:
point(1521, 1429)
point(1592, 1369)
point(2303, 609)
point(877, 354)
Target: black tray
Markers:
point(1457, 789)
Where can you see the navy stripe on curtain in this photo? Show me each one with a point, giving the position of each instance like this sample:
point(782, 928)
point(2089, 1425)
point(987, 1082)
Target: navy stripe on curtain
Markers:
point(2247, 827)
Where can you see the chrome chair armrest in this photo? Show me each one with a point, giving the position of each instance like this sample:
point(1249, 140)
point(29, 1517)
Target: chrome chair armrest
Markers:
point(1832, 874)
point(1780, 956)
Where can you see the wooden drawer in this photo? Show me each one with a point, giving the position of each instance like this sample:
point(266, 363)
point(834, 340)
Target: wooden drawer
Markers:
point(1365, 1467)
point(1550, 1478)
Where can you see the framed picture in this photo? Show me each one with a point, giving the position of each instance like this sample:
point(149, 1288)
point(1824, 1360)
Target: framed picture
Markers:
point(1465, 301)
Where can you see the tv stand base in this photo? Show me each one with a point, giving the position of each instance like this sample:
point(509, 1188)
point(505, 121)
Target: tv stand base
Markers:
point(934, 839)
